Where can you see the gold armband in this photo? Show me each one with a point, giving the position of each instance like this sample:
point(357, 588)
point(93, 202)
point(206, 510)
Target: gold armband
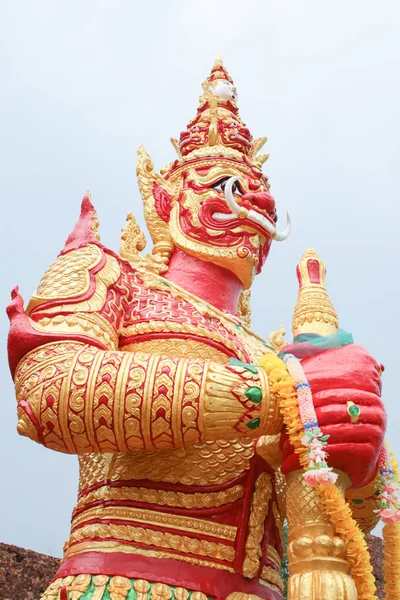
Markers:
point(75, 398)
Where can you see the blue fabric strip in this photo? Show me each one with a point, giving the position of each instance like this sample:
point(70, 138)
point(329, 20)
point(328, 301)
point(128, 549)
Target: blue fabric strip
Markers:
point(309, 344)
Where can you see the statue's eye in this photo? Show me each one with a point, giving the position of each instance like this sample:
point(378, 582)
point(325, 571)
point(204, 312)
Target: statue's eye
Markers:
point(220, 186)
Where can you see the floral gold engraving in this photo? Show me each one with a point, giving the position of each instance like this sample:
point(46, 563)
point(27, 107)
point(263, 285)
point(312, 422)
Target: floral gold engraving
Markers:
point(258, 513)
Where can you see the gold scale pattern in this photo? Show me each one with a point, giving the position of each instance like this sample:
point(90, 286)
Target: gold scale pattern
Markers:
point(68, 276)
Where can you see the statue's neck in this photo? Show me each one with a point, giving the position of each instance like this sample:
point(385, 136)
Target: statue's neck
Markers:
point(208, 281)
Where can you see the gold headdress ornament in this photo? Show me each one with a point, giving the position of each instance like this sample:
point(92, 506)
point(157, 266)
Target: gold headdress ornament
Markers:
point(216, 131)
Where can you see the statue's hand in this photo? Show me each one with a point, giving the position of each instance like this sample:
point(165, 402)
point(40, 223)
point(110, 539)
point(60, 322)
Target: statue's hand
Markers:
point(336, 377)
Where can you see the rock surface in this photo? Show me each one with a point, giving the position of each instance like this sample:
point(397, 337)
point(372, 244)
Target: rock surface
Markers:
point(375, 546)
point(24, 574)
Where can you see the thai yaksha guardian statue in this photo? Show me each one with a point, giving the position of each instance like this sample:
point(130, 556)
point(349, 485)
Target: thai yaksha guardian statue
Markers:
point(195, 438)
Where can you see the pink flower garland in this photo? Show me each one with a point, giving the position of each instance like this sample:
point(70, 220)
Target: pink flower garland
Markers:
point(318, 470)
point(388, 487)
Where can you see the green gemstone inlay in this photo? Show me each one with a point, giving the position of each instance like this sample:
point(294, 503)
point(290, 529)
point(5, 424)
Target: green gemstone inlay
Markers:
point(253, 424)
point(354, 411)
point(254, 394)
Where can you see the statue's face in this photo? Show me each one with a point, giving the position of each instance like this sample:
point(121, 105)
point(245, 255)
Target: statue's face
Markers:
point(202, 222)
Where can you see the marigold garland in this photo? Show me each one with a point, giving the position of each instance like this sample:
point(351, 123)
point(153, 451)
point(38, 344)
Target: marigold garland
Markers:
point(391, 548)
point(358, 555)
point(391, 563)
point(335, 505)
point(282, 386)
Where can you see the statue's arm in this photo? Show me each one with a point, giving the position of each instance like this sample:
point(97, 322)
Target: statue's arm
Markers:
point(77, 392)
point(75, 398)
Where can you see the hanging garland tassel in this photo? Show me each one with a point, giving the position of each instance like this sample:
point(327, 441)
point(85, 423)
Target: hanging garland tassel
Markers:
point(289, 384)
point(358, 555)
point(390, 515)
point(391, 564)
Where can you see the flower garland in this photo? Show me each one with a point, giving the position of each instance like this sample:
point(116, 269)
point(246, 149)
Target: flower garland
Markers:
point(390, 515)
point(391, 563)
point(358, 555)
point(295, 401)
point(388, 487)
point(317, 470)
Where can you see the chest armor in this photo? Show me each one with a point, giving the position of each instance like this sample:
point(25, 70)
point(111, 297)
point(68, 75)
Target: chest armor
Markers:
point(212, 504)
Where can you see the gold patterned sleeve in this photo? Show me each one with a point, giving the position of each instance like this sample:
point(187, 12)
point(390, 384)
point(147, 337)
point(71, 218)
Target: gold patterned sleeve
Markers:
point(364, 502)
point(74, 398)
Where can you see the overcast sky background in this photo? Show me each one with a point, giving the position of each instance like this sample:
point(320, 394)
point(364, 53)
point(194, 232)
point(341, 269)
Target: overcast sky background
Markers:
point(84, 83)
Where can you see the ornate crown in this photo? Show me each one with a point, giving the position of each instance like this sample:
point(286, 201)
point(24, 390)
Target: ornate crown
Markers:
point(217, 129)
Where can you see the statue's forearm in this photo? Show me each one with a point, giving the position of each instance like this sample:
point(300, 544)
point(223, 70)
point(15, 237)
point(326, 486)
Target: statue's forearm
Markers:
point(75, 398)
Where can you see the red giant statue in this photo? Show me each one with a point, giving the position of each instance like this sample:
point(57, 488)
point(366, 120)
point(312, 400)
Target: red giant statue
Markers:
point(195, 439)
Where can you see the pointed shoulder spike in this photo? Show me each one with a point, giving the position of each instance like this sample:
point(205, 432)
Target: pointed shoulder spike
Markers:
point(86, 228)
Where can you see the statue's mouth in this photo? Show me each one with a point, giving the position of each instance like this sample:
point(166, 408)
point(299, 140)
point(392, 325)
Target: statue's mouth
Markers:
point(245, 215)
point(215, 213)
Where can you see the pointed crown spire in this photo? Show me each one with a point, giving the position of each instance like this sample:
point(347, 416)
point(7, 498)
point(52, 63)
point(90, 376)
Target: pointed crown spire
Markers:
point(217, 128)
point(314, 311)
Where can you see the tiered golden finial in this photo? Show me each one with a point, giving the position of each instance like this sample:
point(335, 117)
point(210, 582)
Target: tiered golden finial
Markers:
point(217, 126)
point(314, 311)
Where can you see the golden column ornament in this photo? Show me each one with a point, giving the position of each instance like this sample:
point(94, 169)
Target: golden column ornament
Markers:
point(318, 568)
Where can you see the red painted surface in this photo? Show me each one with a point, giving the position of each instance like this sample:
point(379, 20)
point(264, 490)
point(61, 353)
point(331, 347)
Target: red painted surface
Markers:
point(299, 277)
point(213, 582)
point(313, 268)
point(204, 279)
point(163, 201)
point(23, 338)
point(337, 376)
point(83, 231)
point(63, 593)
point(262, 200)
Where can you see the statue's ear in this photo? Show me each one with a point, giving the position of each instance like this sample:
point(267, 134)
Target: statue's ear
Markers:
point(157, 197)
point(162, 201)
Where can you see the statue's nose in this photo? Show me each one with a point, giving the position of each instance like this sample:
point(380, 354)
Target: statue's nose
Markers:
point(262, 200)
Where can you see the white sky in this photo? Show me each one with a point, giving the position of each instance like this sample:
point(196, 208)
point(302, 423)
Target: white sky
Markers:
point(84, 83)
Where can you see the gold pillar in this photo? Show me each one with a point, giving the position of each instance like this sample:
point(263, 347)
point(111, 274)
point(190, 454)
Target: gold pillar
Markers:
point(316, 553)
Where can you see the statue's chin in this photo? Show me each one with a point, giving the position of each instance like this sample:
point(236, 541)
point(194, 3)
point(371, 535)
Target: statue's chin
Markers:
point(242, 264)
point(238, 259)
